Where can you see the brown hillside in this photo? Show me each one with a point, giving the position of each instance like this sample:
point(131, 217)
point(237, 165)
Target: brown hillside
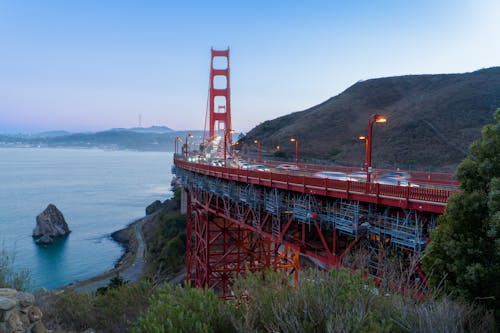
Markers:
point(432, 120)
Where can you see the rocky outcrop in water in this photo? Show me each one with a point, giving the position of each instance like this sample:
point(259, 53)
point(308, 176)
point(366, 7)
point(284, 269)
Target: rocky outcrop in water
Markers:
point(18, 314)
point(50, 224)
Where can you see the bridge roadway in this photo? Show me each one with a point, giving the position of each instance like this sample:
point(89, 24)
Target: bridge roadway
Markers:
point(431, 198)
point(429, 179)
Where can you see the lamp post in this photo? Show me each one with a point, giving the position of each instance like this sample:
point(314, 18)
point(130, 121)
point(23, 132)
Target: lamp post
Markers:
point(186, 145)
point(296, 149)
point(257, 142)
point(177, 139)
point(226, 134)
point(374, 118)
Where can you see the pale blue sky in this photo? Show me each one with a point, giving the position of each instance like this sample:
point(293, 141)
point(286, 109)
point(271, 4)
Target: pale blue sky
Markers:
point(93, 65)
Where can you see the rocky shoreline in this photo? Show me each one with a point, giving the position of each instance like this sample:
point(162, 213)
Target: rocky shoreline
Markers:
point(131, 264)
point(126, 238)
point(123, 237)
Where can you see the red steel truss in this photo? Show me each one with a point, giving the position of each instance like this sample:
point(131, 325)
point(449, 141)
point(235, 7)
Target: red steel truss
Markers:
point(221, 247)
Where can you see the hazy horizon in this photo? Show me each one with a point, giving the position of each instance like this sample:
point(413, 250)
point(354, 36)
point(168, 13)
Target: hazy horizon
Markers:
point(96, 131)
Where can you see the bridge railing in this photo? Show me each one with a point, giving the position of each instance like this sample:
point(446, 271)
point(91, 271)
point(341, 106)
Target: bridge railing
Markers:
point(420, 198)
point(436, 178)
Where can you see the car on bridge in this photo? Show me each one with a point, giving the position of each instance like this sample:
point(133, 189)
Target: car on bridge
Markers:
point(396, 175)
point(259, 167)
point(287, 167)
point(332, 175)
point(357, 176)
point(395, 181)
point(218, 163)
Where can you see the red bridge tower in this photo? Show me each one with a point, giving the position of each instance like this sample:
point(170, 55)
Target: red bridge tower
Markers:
point(220, 92)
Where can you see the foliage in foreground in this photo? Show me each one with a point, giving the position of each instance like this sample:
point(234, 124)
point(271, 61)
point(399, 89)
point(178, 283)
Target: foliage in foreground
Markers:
point(10, 278)
point(175, 309)
point(111, 311)
point(337, 301)
point(167, 249)
point(465, 247)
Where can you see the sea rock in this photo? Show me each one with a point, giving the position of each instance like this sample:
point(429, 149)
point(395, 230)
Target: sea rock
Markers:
point(45, 240)
point(49, 224)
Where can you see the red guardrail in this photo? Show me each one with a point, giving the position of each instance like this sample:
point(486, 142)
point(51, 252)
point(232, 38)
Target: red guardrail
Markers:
point(433, 178)
point(419, 198)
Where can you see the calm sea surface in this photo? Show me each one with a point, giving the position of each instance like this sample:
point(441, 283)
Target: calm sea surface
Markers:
point(97, 191)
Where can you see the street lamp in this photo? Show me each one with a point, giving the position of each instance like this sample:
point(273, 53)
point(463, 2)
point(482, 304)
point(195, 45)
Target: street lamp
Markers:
point(226, 134)
point(186, 144)
point(374, 118)
point(257, 142)
point(177, 139)
point(296, 149)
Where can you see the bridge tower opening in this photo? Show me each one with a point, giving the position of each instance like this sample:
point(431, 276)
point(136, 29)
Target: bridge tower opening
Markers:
point(220, 94)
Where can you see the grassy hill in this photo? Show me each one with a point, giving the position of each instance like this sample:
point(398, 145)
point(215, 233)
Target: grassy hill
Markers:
point(432, 119)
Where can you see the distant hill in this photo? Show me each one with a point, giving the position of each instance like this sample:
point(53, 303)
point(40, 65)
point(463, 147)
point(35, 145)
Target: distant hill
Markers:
point(50, 134)
point(154, 138)
point(432, 120)
point(152, 129)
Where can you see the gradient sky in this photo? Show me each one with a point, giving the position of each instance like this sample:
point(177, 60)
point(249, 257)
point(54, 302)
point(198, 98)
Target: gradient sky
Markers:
point(94, 65)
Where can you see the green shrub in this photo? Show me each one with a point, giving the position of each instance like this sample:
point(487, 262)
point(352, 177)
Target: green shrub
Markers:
point(71, 310)
point(465, 247)
point(166, 253)
point(176, 310)
point(9, 278)
point(334, 301)
point(115, 282)
point(340, 301)
point(112, 311)
point(337, 301)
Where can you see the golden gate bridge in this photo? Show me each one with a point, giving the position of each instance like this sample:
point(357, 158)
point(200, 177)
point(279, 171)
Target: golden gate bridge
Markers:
point(240, 220)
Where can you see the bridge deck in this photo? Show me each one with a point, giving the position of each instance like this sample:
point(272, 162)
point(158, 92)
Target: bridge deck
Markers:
point(418, 198)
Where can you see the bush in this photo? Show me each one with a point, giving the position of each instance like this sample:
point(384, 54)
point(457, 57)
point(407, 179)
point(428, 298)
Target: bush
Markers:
point(112, 311)
point(465, 246)
point(340, 301)
point(166, 253)
point(176, 310)
point(335, 301)
point(20, 280)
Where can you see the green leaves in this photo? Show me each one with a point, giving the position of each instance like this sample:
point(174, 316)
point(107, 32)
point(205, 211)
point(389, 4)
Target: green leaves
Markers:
point(465, 247)
point(10, 278)
point(183, 310)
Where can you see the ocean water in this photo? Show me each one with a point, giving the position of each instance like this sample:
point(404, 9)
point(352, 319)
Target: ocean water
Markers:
point(97, 191)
